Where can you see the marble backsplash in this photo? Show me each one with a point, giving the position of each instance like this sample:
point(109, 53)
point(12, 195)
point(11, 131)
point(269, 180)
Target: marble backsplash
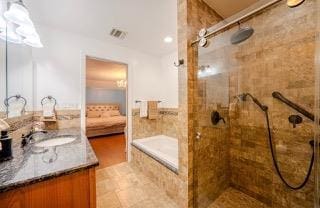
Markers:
point(24, 124)
point(20, 125)
point(65, 119)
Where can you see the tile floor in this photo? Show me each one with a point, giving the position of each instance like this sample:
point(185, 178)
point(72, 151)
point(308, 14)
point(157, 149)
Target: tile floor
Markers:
point(233, 198)
point(123, 186)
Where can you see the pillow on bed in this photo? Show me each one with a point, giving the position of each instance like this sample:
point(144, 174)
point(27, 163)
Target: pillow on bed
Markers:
point(105, 114)
point(93, 114)
point(114, 113)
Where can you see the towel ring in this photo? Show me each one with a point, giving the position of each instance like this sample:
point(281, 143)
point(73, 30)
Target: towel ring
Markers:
point(17, 97)
point(49, 98)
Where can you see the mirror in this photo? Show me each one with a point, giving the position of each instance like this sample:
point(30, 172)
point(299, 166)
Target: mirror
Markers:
point(16, 67)
point(3, 74)
point(3, 79)
point(19, 80)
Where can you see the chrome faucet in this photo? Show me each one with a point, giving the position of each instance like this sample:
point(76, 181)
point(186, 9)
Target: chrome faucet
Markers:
point(26, 139)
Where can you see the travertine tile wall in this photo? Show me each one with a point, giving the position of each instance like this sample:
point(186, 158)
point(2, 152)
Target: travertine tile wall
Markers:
point(160, 175)
point(166, 124)
point(192, 16)
point(278, 57)
point(212, 164)
point(212, 167)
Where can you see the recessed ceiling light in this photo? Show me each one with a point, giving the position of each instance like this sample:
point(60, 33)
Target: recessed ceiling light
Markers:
point(168, 39)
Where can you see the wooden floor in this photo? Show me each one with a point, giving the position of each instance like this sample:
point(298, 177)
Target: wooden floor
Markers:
point(110, 150)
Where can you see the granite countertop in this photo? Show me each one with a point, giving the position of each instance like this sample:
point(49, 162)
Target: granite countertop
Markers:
point(28, 167)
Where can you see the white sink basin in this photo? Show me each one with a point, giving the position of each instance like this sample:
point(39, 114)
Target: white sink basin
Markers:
point(56, 141)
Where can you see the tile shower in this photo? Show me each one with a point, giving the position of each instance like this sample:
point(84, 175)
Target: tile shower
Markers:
point(278, 57)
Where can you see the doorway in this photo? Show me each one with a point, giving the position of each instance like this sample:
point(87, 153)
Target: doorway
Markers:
point(106, 114)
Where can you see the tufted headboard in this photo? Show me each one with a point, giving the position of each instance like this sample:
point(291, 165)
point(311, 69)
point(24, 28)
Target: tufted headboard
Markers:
point(102, 107)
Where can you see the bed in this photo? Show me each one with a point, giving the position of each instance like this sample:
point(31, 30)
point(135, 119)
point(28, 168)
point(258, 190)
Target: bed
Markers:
point(104, 119)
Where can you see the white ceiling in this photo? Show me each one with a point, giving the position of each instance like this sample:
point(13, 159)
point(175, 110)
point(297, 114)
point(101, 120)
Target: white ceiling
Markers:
point(147, 22)
point(227, 8)
point(105, 70)
point(104, 74)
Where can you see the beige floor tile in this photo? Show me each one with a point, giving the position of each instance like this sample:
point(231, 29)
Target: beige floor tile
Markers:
point(165, 203)
point(153, 191)
point(112, 173)
point(127, 181)
point(124, 186)
point(233, 198)
point(142, 178)
point(131, 196)
point(106, 186)
point(109, 200)
point(147, 203)
point(101, 174)
point(123, 169)
point(155, 203)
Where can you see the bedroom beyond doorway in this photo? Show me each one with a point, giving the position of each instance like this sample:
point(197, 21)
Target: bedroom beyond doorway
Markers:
point(106, 109)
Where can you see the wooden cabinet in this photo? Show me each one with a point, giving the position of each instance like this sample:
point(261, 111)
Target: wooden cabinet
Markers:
point(76, 190)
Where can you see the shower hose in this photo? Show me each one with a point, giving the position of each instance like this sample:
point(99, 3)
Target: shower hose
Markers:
point(274, 159)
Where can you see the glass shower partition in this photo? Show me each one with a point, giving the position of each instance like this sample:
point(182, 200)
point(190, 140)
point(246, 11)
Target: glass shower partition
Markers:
point(234, 164)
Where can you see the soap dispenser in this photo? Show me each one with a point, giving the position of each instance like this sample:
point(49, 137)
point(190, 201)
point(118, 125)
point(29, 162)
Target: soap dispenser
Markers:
point(6, 146)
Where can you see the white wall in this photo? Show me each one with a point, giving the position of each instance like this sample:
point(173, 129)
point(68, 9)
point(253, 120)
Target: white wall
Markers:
point(58, 68)
point(96, 95)
point(3, 76)
point(169, 80)
point(60, 72)
point(20, 72)
point(18, 78)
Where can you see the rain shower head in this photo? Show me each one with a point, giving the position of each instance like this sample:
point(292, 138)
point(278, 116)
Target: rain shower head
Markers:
point(241, 35)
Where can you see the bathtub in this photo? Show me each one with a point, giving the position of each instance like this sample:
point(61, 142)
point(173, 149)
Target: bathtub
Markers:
point(162, 148)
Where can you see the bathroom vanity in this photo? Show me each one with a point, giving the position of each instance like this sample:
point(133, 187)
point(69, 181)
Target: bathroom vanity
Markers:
point(59, 172)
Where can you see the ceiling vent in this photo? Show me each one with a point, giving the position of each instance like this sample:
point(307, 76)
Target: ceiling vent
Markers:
point(118, 34)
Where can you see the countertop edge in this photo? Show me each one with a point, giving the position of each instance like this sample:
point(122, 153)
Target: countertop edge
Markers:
point(48, 177)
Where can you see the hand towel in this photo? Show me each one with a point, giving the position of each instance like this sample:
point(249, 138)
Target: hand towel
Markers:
point(15, 110)
point(143, 109)
point(152, 110)
point(48, 111)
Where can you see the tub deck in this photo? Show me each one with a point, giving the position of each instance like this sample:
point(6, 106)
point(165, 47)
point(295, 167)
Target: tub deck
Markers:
point(163, 149)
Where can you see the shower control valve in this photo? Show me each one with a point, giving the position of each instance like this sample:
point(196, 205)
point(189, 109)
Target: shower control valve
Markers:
point(295, 119)
point(216, 117)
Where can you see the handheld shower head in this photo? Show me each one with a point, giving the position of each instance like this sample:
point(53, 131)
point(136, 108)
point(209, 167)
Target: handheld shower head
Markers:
point(243, 97)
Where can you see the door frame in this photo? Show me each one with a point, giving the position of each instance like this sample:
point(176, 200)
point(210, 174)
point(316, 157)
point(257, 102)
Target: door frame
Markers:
point(129, 97)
